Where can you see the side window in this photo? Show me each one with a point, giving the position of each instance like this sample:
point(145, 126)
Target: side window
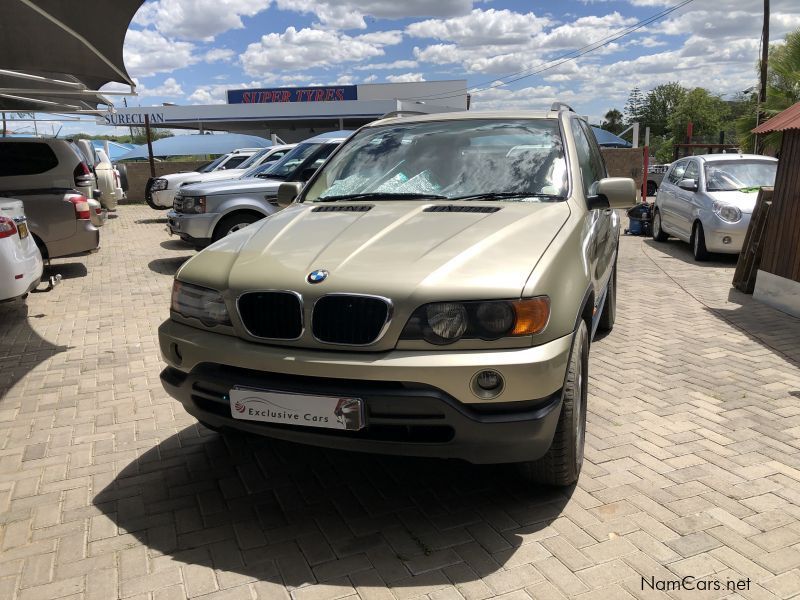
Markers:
point(17, 158)
point(692, 172)
point(590, 172)
point(234, 162)
point(677, 172)
point(599, 164)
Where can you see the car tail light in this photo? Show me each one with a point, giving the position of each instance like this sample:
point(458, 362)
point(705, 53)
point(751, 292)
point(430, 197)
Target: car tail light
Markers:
point(7, 227)
point(82, 209)
point(98, 210)
point(83, 175)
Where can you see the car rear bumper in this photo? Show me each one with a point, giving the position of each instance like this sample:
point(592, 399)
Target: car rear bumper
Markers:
point(404, 419)
point(85, 240)
point(20, 267)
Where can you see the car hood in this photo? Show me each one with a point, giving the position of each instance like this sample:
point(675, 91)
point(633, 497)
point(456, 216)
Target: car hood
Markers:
point(396, 249)
point(744, 201)
point(232, 186)
point(220, 175)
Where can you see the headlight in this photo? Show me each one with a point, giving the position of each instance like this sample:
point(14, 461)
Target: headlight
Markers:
point(200, 303)
point(447, 322)
point(158, 185)
point(728, 213)
point(193, 204)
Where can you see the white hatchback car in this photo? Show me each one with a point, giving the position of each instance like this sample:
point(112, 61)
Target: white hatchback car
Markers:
point(20, 261)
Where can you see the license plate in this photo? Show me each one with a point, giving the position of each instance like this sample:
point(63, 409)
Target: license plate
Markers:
point(268, 406)
point(23, 230)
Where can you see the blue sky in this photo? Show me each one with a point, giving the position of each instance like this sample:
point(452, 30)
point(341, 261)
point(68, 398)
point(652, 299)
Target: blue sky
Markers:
point(191, 51)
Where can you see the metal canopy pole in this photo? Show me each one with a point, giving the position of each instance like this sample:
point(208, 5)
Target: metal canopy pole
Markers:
point(149, 145)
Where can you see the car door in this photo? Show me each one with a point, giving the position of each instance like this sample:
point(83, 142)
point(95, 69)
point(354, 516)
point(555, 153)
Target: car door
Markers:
point(598, 224)
point(666, 196)
point(608, 220)
point(685, 200)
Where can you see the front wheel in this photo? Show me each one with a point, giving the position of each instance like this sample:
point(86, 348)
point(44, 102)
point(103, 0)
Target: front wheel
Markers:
point(562, 463)
point(658, 232)
point(699, 243)
point(233, 223)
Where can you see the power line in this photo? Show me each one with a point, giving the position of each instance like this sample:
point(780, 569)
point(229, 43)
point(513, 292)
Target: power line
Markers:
point(561, 59)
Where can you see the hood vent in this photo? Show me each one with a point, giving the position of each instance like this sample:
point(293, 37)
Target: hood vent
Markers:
point(462, 209)
point(343, 208)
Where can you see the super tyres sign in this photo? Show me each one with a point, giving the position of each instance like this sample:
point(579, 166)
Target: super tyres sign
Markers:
point(338, 93)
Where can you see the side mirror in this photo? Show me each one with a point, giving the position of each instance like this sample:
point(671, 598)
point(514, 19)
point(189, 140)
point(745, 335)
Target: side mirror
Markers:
point(690, 185)
point(287, 192)
point(613, 192)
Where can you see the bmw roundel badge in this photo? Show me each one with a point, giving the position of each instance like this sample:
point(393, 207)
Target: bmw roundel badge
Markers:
point(317, 276)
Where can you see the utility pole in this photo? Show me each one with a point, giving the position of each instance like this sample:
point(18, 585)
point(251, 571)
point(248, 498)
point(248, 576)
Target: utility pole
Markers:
point(762, 91)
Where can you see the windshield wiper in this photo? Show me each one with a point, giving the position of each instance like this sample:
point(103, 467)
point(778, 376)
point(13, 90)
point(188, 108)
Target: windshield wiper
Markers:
point(503, 195)
point(382, 196)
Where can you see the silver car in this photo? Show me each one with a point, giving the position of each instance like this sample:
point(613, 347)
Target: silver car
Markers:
point(707, 200)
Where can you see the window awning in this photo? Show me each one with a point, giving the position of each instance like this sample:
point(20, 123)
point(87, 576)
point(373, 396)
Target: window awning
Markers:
point(56, 54)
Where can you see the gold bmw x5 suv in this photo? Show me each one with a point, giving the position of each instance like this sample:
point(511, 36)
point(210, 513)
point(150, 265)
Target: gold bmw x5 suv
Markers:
point(431, 291)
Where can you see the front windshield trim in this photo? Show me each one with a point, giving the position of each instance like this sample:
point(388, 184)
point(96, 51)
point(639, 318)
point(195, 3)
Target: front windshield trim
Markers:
point(559, 127)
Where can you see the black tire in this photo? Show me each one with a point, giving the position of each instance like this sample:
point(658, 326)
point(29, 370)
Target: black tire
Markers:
point(42, 248)
point(658, 233)
point(233, 223)
point(561, 465)
point(123, 176)
point(609, 314)
point(699, 243)
point(652, 188)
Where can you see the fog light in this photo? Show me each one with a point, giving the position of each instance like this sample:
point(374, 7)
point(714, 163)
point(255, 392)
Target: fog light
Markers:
point(487, 384)
point(727, 239)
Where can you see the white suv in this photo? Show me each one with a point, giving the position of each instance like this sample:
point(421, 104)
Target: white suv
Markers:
point(160, 192)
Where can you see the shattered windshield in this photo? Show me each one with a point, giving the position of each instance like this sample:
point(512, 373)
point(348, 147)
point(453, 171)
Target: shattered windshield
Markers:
point(486, 159)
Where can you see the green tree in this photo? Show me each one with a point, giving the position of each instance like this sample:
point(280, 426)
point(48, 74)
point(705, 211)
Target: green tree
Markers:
point(783, 90)
point(704, 110)
point(613, 121)
point(634, 106)
point(659, 105)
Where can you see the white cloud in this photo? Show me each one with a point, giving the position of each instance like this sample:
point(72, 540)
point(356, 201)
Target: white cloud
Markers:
point(350, 14)
point(198, 19)
point(219, 55)
point(147, 52)
point(307, 49)
point(529, 98)
point(398, 64)
point(405, 78)
point(481, 27)
point(170, 88)
point(371, 78)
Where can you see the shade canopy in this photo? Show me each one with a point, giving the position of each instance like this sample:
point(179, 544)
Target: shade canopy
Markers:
point(115, 149)
point(788, 119)
point(200, 144)
point(606, 139)
point(56, 54)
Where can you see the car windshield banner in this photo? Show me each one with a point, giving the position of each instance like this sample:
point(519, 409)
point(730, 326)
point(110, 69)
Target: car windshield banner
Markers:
point(337, 93)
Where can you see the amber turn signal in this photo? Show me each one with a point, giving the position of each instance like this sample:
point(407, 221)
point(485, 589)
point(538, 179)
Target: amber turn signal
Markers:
point(531, 315)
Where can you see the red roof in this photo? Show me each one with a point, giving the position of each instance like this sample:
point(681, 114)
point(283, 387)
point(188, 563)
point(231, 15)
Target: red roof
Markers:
point(788, 119)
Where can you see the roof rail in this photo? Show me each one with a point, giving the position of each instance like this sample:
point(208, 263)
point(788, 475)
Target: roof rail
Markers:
point(557, 106)
point(402, 113)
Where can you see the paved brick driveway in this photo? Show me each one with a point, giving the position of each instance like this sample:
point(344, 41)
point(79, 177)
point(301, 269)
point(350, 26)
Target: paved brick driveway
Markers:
point(108, 489)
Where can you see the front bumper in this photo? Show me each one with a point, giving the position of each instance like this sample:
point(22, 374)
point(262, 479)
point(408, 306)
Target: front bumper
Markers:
point(417, 403)
point(716, 230)
point(195, 228)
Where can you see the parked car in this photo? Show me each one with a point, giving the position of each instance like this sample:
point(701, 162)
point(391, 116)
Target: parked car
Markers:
point(37, 163)
point(266, 156)
point(108, 181)
point(20, 261)
point(98, 214)
point(708, 200)
point(55, 184)
point(431, 291)
point(206, 212)
point(160, 192)
point(655, 175)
